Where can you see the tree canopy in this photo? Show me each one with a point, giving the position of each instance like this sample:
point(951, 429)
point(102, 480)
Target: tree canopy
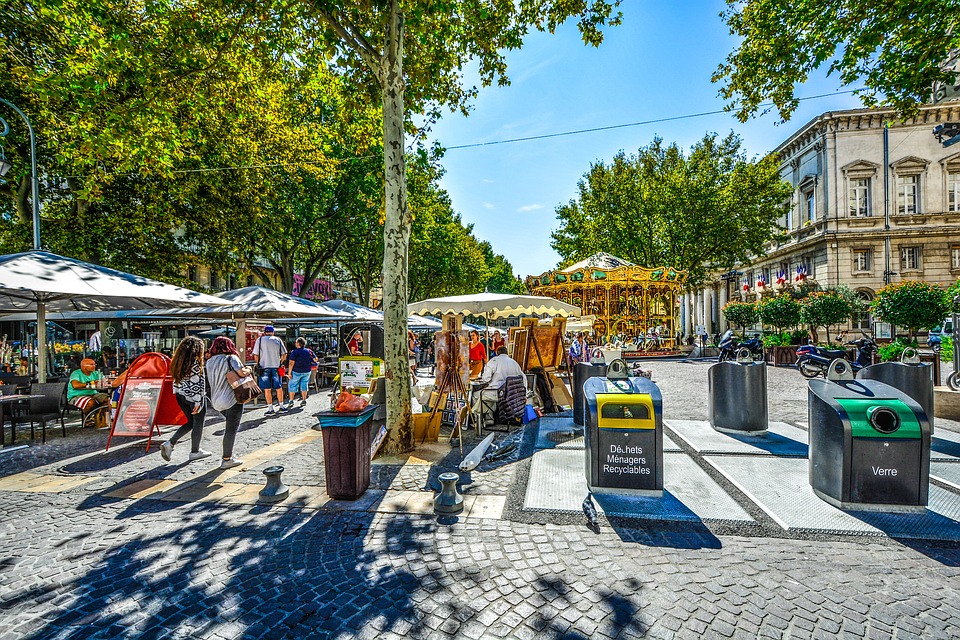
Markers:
point(912, 304)
point(895, 48)
point(706, 210)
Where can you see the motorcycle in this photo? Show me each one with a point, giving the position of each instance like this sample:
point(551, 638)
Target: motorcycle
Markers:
point(729, 345)
point(813, 361)
point(935, 343)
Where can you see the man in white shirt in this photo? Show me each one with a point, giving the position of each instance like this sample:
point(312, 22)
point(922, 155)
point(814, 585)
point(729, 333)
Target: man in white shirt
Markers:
point(496, 372)
point(268, 351)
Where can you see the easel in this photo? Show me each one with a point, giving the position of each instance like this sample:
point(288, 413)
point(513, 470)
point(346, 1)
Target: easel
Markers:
point(451, 381)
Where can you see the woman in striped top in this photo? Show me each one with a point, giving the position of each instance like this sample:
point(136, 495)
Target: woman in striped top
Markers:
point(189, 387)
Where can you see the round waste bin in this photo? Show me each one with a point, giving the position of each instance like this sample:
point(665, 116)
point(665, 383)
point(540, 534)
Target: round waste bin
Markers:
point(869, 446)
point(915, 380)
point(737, 394)
point(581, 372)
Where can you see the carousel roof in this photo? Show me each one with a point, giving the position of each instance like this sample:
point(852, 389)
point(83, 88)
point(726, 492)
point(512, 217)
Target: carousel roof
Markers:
point(602, 260)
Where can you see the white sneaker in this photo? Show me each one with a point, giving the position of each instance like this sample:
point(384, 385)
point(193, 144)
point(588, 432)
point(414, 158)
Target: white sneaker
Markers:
point(281, 408)
point(230, 463)
point(270, 411)
point(199, 455)
point(165, 450)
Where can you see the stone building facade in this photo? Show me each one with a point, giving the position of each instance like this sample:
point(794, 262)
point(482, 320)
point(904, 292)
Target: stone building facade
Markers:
point(869, 207)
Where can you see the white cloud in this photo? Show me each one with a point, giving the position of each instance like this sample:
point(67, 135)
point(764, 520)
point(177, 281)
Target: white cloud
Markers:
point(487, 205)
point(529, 207)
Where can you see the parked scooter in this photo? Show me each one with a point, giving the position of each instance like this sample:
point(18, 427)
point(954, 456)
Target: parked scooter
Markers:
point(813, 361)
point(729, 345)
point(935, 343)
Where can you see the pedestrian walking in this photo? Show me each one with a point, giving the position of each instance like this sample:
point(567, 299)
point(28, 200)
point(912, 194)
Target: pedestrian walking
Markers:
point(189, 388)
point(268, 352)
point(223, 358)
point(302, 362)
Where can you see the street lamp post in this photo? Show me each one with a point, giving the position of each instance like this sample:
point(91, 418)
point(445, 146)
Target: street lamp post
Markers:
point(41, 310)
point(33, 170)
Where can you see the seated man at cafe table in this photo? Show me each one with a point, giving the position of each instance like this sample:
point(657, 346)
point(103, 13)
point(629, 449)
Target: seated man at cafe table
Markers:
point(86, 390)
point(496, 373)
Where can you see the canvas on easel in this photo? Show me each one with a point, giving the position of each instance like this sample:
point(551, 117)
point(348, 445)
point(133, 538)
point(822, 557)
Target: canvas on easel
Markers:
point(453, 374)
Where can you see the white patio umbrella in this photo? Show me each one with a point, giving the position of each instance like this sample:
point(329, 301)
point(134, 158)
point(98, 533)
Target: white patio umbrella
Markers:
point(493, 306)
point(256, 302)
point(41, 281)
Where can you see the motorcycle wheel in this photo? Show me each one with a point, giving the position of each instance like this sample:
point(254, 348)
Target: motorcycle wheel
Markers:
point(937, 349)
point(953, 381)
point(809, 370)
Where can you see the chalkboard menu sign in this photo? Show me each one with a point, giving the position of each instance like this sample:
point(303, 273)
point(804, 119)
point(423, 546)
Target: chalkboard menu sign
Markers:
point(138, 406)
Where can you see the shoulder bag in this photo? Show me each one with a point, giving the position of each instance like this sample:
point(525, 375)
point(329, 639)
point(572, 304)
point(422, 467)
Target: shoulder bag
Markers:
point(245, 389)
point(257, 369)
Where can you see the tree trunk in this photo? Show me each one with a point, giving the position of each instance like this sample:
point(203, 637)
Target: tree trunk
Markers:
point(396, 240)
point(24, 212)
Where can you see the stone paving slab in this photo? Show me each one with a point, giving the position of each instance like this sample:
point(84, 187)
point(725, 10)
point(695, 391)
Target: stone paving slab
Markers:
point(945, 445)
point(781, 488)
point(558, 484)
point(781, 439)
point(946, 472)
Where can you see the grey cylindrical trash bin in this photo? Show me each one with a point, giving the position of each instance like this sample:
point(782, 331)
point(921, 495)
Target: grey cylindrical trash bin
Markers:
point(915, 380)
point(582, 371)
point(738, 396)
point(869, 446)
point(623, 437)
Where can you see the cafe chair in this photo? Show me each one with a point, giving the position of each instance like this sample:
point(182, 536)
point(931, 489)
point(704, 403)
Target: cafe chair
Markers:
point(43, 408)
point(66, 407)
point(511, 398)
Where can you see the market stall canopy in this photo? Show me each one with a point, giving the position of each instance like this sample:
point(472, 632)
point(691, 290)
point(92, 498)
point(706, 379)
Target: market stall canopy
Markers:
point(493, 306)
point(258, 302)
point(360, 313)
point(68, 284)
point(583, 323)
point(41, 281)
point(356, 312)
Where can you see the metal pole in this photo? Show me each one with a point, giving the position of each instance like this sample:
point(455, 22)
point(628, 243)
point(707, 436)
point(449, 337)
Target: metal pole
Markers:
point(33, 176)
point(886, 203)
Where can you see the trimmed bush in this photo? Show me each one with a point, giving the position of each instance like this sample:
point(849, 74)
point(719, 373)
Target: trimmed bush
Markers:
point(741, 314)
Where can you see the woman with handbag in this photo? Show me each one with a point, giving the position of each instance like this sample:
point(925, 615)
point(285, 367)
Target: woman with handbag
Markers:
point(224, 358)
point(189, 388)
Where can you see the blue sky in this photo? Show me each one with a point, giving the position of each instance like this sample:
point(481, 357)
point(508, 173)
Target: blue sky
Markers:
point(656, 65)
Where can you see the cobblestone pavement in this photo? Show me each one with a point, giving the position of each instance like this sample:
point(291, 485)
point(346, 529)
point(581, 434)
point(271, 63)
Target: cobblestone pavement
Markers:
point(78, 562)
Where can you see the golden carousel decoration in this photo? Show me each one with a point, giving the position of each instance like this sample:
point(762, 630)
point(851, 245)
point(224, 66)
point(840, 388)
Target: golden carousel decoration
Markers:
point(629, 302)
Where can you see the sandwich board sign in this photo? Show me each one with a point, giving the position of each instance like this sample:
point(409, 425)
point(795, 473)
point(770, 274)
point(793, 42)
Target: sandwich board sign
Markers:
point(146, 400)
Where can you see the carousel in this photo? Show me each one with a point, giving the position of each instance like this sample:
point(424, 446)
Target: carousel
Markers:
point(632, 305)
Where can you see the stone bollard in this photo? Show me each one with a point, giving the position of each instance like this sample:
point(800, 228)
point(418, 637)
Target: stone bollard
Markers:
point(275, 490)
point(449, 501)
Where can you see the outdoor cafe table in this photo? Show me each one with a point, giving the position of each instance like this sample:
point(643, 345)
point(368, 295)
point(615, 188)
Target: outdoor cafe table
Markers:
point(5, 400)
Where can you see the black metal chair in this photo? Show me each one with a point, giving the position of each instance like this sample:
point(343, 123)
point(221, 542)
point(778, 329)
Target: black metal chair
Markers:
point(511, 398)
point(43, 408)
point(66, 407)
